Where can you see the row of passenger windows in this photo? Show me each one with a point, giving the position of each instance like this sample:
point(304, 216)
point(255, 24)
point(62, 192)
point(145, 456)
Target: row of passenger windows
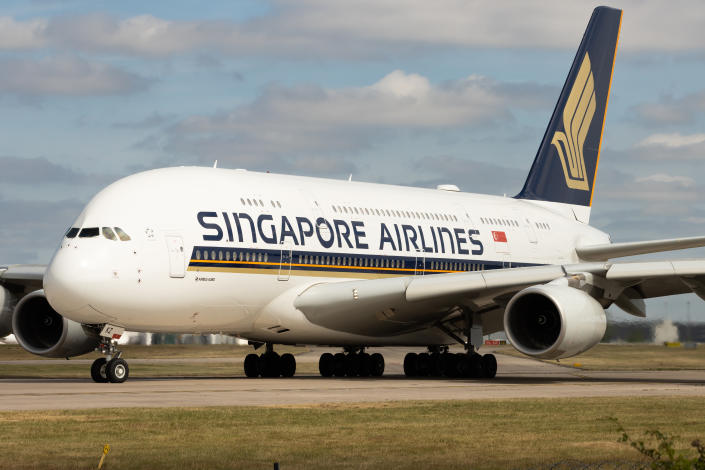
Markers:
point(497, 221)
point(394, 212)
point(221, 255)
point(113, 233)
point(318, 260)
point(542, 225)
point(258, 202)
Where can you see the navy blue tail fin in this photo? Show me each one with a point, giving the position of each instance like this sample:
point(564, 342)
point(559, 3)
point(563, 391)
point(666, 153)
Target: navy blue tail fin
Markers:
point(566, 163)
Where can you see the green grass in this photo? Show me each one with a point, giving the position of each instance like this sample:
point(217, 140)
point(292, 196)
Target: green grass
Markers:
point(448, 435)
point(627, 357)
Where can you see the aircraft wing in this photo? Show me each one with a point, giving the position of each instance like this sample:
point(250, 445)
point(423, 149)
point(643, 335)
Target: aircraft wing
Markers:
point(22, 276)
point(396, 305)
point(617, 250)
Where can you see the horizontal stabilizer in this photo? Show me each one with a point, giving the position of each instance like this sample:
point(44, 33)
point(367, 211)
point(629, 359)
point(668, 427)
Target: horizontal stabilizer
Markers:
point(617, 250)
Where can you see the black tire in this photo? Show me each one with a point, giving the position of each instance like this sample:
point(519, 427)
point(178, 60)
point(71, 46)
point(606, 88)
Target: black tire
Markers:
point(352, 365)
point(475, 361)
point(339, 365)
point(410, 363)
point(436, 365)
point(98, 373)
point(268, 364)
point(423, 365)
point(376, 365)
point(117, 371)
point(251, 366)
point(450, 365)
point(287, 365)
point(489, 366)
point(326, 365)
point(463, 365)
point(365, 366)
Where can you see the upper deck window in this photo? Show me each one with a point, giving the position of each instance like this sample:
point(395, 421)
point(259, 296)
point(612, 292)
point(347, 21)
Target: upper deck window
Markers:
point(89, 232)
point(121, 234)
point(109, 234)
point(72, 232)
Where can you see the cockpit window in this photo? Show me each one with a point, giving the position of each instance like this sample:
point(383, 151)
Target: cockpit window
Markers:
point(89, 232)
point(108, 233)
point(72, 232)
point(120, 233)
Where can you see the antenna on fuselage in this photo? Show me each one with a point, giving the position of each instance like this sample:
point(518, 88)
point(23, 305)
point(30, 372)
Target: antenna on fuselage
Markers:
point(215, 164)
point(350, 177)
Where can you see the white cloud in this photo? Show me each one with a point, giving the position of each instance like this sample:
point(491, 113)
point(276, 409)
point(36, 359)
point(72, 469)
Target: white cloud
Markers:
point(307, 120)
point(674, 140)
point(22, 34)
point(312, 28)
point(682, 181)
point(65, 76)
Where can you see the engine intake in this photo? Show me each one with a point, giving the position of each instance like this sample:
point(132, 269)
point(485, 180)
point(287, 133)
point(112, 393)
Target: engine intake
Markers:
point(41, 330)
point(554, 321)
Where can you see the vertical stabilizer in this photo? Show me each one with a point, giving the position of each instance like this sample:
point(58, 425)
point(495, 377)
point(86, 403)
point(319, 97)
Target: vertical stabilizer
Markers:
point(566, 163)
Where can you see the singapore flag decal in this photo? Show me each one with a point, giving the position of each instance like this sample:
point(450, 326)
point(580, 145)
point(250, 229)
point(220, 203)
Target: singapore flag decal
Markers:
point(499, 237)
point(500, 242)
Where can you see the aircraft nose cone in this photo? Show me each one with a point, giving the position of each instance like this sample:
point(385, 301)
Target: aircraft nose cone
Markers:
point(62, 282)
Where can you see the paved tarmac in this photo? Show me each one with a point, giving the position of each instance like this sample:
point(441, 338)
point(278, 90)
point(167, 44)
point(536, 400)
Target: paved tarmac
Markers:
point(517, 378)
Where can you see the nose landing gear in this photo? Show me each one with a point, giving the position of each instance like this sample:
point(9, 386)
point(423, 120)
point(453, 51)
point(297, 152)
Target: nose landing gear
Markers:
point(111, 368)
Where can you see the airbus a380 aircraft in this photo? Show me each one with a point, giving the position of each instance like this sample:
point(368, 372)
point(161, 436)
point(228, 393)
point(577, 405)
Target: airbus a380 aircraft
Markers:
point(292, 260)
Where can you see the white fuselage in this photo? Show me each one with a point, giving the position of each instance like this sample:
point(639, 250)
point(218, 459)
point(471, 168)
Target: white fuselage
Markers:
point(214, 250)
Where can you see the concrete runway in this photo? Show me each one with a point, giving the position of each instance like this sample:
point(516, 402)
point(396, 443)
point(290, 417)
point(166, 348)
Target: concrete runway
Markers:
point(517, 378)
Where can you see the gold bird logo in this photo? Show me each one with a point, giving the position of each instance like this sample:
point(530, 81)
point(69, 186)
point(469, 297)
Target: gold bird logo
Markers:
point(577, 117)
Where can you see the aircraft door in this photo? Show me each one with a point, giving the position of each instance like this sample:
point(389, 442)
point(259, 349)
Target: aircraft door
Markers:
point(177, 259)
point(420, 267)
point(285, 263)
point(525, 223)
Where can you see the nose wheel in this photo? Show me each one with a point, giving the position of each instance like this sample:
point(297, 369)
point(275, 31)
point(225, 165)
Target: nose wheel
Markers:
point(111, 368)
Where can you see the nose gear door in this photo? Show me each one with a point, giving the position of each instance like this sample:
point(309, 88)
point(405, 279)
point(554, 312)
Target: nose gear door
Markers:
point(175, 247)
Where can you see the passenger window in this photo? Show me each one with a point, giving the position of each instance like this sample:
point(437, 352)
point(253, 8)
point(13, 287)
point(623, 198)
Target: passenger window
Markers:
point(121, 234)
point(89, 232)
point(266, 257)
point(205, 254)
point(72, 232)
point(109, 234)
point(220, 255)
point(213, 255)
point(198, 254)
point(259, 257)
point(227, 256)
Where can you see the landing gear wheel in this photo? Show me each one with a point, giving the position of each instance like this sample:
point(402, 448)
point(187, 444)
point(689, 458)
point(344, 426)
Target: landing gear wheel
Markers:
point(376, 365)
point(117, 371)
point(423, 365)
point(287, 365)
point(352, 365)
point(450, 364)
point(339, 365)
point(251, 369)
point(437, 364)
point(268, 364)
point(98, 373)
point(326, 365)
point(475, 361)
point(410, 361)
point(489, 366)
point(365, 366)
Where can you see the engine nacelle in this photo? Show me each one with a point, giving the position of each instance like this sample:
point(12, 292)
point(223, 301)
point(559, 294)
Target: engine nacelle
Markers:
point(7, 304)
point(554, 321)
point(41, 330)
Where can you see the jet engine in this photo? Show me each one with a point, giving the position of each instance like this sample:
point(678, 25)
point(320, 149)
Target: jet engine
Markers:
point(554, 321)
point(7, 301)
point(41, 330)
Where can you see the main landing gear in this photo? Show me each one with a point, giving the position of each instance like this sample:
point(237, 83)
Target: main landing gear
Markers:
point(270, 364)
point(111, 368)
point(354, 362)
point(436, 363)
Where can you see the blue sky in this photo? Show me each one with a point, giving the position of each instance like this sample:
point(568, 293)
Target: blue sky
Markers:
point(408, 92)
